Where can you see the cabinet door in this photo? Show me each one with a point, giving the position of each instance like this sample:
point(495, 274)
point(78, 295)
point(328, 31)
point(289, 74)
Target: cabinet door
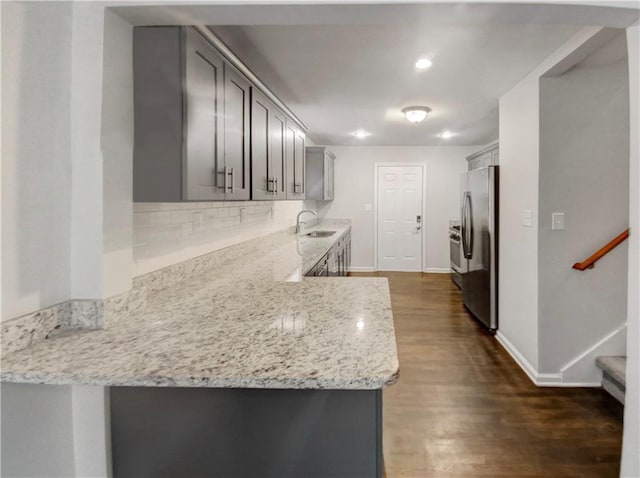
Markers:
point(278, 168)
point(261, 187)
point(236, 135)
point(158, 72)
point(290, 154)
point(295, 151)
point(328, 178)
point(203, 163)
point(299, 164)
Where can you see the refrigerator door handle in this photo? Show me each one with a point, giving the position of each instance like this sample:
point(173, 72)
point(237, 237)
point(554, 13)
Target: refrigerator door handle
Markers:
point(463, 226)
point(467, 228)
point(470, 228)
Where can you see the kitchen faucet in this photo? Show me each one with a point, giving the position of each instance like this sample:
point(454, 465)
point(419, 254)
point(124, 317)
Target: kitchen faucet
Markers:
point(298, 218)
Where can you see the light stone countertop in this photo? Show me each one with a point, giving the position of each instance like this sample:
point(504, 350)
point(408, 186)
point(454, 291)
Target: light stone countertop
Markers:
point(245, 324)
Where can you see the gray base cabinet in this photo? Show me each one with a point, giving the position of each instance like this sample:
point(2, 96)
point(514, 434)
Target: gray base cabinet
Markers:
point(245, 433)
point(336, 262)
point(319, 173)
point(191, 140)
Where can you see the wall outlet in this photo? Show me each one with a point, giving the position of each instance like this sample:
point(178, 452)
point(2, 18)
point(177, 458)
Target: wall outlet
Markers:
point(527, 218)
point(557, 221)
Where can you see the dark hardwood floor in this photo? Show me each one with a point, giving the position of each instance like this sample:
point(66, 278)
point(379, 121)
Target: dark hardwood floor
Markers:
point(463, 408)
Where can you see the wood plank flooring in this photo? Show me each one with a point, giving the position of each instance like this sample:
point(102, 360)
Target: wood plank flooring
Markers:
point(463, 408)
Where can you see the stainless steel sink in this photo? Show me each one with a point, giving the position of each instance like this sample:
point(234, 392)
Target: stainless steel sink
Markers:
point(320, 234)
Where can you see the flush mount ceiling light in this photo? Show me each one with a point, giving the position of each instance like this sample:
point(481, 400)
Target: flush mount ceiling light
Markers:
point(416, 114)
point(361, 134)
point(446, 134)
point(423, 63)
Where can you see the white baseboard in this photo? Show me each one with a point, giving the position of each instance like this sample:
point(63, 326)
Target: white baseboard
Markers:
point(361, 269)
point(524, 364)
point(565, 378)
point(428, 270)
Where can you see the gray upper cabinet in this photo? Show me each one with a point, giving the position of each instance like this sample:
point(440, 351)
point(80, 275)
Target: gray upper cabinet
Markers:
point(191, 120)
point(278, 167)
point(295, 153)
point(488, 156)
point(268, 144)
point(261, 183)
point(237, 134)
point(319, 173)
point(203, 163)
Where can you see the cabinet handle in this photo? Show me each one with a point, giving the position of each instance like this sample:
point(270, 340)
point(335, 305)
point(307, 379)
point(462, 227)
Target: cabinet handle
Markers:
point(275, 183)
point(226, 175)
point(233, 183)
point(270, 185)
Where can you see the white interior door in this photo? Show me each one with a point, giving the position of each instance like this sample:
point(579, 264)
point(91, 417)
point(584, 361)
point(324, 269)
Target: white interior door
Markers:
point(400, 218)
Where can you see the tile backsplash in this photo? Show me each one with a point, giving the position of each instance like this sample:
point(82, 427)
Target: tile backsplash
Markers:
point(167, 233)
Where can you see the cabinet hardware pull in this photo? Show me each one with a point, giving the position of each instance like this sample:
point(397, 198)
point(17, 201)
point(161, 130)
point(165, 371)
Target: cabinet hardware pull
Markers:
point(224, 173)
point(232, 181)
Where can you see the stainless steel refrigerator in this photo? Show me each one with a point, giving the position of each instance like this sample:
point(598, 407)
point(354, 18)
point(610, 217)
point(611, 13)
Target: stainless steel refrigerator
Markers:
point(479, 242)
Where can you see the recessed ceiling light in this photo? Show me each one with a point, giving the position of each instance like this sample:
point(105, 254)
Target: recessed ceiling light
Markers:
point(361, 134)
point(416, 114)
point(446, 134)
point(423, 63)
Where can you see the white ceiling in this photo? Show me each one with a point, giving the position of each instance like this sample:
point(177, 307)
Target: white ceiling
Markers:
point(344, 67)
point(340, 78)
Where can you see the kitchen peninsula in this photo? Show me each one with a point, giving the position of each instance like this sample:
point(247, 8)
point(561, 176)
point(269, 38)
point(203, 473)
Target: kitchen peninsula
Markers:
point(238, 365)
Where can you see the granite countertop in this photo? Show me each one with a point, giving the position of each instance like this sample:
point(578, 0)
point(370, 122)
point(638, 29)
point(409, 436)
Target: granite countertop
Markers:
point(246, 324)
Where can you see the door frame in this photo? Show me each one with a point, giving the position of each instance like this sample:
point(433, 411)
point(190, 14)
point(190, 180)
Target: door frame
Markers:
point(423, 239)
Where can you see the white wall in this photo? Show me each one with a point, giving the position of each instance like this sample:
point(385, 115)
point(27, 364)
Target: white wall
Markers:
point(630, 466)
point(86, 155)
point(36, 171)
point(518, 259)
point(354, 187)
point(52, 214)
point(584, 169)
point(117, 150)
point(37, 425)
point(37, 443)
point(519, 183)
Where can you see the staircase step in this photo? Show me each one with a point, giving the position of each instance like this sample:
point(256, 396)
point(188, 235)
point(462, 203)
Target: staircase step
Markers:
point(613, 375)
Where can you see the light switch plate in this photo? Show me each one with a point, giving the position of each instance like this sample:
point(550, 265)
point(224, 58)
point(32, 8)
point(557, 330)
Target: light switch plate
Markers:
point(557, 221)
point(367, 207)
point(527, 218)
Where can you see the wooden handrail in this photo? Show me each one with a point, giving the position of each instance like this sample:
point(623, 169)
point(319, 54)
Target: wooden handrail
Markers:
point(588, 263)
